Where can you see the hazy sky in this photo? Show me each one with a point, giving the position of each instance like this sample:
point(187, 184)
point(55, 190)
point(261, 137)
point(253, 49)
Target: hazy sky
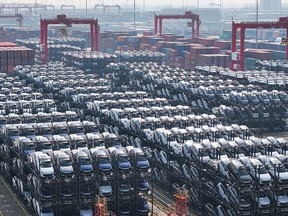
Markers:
point(174, 3)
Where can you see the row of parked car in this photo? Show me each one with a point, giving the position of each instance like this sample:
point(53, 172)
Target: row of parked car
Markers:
point(245, 102)
point(129, 164)
point(206, 151)
point(274, 75)
point(194, 163)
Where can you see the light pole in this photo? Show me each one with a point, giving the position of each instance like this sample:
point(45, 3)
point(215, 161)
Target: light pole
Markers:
point(86, 9)
point(134, 15)
point(257, 14)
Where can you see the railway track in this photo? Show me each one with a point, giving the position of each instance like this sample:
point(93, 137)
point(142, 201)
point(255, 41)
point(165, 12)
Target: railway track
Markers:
point(166, 200)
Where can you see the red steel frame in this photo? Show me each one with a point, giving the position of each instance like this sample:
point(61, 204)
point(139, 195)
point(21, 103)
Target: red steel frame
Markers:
point(18, 16)
point(181, 202)
point(62, 19)
point(107, 7)
point(281, 23)
point(188, 15)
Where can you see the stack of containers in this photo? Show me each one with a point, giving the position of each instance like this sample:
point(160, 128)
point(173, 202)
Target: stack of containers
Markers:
point(12, 34)
point(196, 51)
point(12, 56)
point(206, 41)
point(223, 45)
point(226, 35)
point(213, 59)
point(259, 54)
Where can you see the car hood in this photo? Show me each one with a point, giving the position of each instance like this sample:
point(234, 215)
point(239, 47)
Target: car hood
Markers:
point(283, 176)
point(264, 201)
point(245, 204)
point(124, 165)
point(105, 166)
point(265, 177)
point(26, 152)
point(143, 207)
point(282, 199)
point(124, 189)
point(143, 164)
point(88, 212)
point(86, 168)
point(46, 214)
point(66, 169)
point(245, 178)
point(105, 189)
point(47, 170)
point(143, 186)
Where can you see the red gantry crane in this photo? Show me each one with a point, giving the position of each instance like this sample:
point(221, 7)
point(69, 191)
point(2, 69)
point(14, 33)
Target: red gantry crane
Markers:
point(239, 59)
point(18, 17)
point(62, 19)
point(106, 8)
point(188, 15)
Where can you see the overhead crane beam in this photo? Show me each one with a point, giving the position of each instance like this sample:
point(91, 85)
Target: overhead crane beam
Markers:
point(18, 17)
point(62, 19)
point(195, 22)
point(68, 6)
point(281, 23)
point(106, 8)
point(30, 7)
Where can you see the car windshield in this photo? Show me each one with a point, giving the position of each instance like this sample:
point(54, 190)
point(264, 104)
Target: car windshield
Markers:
point(262, 170)
point(104, 160)
point(29, 147)
point(45, 164)
point(219, 91)
point(29, 131)
point(159, 126)
point(78, 129)
point(81, 144)
point(62, 130)
point(85, 161)
point(39, 104)
point(281, 169)
point(47, 146)
point(141, 158)
point(243, 171)
point(204, 153)
point(64, 145)
point(92, 129)
point(65, 163)
point(13, 132)
point(98, 143)
point(172, 138)
point(46, 119)
point(123, 158)
point(145, 126)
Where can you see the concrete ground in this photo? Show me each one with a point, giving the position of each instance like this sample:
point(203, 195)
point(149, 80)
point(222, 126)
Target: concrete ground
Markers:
point(10, 205)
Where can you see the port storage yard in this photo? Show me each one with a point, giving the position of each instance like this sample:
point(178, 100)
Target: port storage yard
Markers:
point(140, 124)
